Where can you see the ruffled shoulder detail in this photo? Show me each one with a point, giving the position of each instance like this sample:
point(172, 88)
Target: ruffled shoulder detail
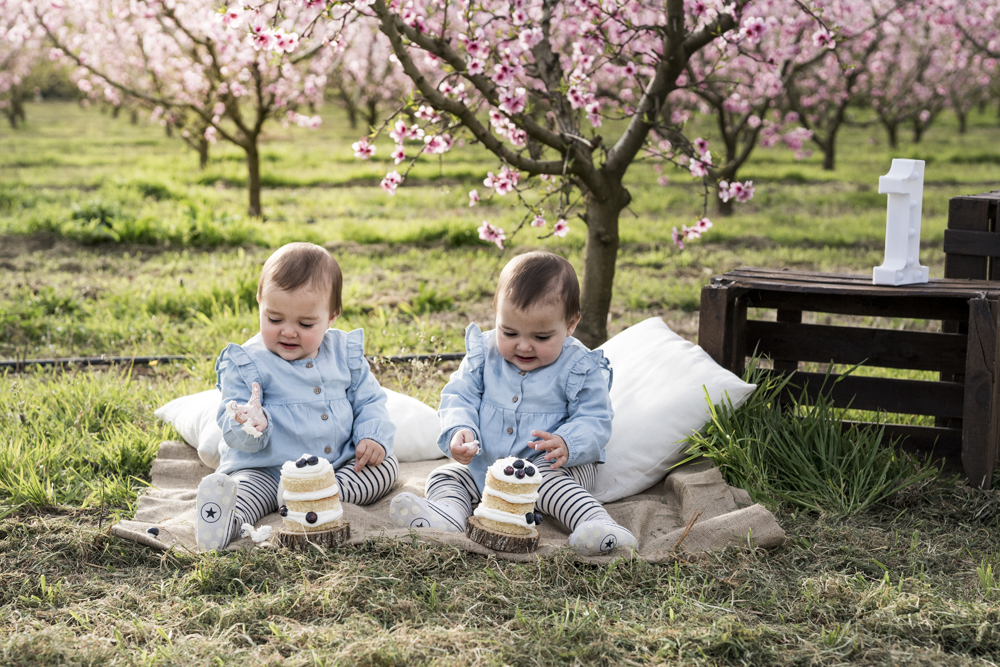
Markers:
point(235, 355)
point(589, 361)
point(475, 346)
point(356, 361)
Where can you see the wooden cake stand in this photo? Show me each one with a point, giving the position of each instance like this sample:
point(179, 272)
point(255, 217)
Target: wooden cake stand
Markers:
point(338, 533)
point(515, 544)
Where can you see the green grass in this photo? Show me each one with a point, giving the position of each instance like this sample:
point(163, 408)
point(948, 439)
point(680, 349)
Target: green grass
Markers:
point(113, 242)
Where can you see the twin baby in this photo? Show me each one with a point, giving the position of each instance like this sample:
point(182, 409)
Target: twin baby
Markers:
point(526, 389)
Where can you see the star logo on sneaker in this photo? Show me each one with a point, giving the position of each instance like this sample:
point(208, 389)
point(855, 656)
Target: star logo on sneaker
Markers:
point(609, 543)
point(210, 512)
point(420, 522)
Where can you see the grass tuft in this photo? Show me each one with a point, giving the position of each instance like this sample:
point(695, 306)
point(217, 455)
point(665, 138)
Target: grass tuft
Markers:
point(798, 453)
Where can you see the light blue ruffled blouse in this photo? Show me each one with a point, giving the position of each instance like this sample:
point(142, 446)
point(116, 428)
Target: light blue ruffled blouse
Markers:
point(322, 406)
point(502, 405)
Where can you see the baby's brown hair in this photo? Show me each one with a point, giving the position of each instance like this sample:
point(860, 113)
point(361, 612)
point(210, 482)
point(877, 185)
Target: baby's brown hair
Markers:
point(297, 264)
point(539, 277)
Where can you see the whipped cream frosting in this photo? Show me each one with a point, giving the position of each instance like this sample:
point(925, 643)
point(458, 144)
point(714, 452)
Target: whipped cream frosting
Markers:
point(289, 471)
point(515, 498)
point(497, 471)
point(328, 492)
point(502, 517)
point(325, 516)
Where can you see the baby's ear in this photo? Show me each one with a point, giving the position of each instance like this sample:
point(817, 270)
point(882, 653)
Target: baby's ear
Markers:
point(571, 325)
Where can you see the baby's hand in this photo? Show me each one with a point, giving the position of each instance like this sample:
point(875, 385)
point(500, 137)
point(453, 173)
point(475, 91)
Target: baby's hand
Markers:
point(252, 413)
point(464, 446)
point(368, 453)
point(553, 445)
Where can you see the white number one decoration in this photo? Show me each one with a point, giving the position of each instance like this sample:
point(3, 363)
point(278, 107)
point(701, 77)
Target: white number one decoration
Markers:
point(905, 186)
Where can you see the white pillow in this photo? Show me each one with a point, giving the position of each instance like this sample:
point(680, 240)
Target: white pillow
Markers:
point(658, 395)
point(194, 418)
point(417, 425)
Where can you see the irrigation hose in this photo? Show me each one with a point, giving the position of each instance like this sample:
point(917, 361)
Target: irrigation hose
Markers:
point(18, 365)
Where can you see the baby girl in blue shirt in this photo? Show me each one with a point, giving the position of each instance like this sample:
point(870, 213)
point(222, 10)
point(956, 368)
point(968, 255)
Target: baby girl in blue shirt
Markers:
point(297, 387)
point(526, 389)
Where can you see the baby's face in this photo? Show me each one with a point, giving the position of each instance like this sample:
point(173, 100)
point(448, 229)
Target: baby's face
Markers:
point(293, 322)
point(532, 338)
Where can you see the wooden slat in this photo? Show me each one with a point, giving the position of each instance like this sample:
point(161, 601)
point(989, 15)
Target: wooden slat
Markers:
point(968, 214)
point(715, 326)
point(979, 372)
point(884, 348)
point(945, 443)
point(778, 362)
point(929, 308)
point(976, 244)
point(857, 285)
point(914, 397)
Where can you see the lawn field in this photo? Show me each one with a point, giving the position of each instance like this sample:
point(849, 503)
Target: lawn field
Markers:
point(113, 242)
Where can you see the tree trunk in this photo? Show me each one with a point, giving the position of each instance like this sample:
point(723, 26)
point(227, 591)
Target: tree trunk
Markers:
point(830, 155)
point(599, 257)
point(352, 116)
point(892, 129)
point(253, 177)
point(724, 208)
point(11, 118)
point(202, 151)
point(372, 115)
point(117, 109)
point(918, 131)
point(963, 121)
point(134, 117)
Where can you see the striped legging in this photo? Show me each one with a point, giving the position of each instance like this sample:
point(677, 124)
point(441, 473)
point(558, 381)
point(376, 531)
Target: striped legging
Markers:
point(258, 493)
point(564, 492)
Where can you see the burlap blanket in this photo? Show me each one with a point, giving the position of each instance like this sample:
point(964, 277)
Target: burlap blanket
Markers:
point(692, 510)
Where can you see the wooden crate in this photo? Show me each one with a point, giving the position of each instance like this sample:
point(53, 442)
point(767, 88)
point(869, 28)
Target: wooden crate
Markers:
point(966, 406)
point(972, 240)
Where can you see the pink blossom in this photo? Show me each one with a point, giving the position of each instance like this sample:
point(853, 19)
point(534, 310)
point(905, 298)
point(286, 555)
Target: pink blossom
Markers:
point(538, 221)
point(285, 42)
point(703, 225)
point(438, 143)
point(488, 232)
point(745, 193)
point(473, 197)
point(593, 110)
point(428, 114)
point(210, 135)
point(512, 101)
point(663, 181)
point(561, 228)
point(724, 194)
point(391, 182)
point(528, 39)
point(678, 238)
point(231, 17)
point(503, 74)
point(363, 149)
point(631, 69)
point(824, 38)
point(504, 182)
point(701, 145)
point(398, 154)
point(475, 67)
point(754, 28)
point(698, 169)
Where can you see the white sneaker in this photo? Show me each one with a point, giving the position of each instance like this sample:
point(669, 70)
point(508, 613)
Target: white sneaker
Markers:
point(596, 538)
point(408, 510)
point(216, 506)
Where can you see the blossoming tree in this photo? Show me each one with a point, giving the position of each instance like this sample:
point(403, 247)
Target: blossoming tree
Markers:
point(366, 78)
point(186, 60)
point(21, 49)
point(533, 82)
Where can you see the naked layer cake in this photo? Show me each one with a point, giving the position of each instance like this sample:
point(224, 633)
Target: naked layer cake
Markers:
point(311, 498)
point(509, 497)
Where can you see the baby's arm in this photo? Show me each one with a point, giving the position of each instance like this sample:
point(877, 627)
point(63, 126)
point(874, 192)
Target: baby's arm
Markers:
point(240, 407)
point(587, 428)
point(372, 431)
point(461, 399)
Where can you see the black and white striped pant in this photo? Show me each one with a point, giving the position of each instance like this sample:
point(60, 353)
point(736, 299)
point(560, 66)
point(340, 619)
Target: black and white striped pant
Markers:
point(564, 492)
point(258, 493)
